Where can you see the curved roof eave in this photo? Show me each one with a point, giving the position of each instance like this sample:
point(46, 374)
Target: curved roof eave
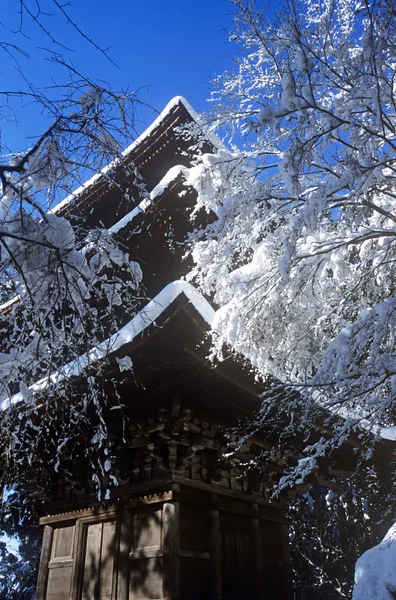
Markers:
point(140, 322)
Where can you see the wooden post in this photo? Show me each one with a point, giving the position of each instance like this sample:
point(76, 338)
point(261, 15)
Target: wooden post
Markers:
point(288, 574)
point(78, 561)
point(258, 559)
point(215, 554)
point(123, 556)
point(171, 550)
point(44, 560)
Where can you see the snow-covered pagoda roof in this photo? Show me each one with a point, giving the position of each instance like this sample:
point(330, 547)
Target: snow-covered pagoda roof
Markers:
point(143, 320)
point(132, 152)
point(150, 157)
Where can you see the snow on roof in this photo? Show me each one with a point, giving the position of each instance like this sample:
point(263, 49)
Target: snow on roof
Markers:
point(122, 223)
point(168, 179)
point(143, 319)
point(161, 117)
point(388, 433)
point(159, 189)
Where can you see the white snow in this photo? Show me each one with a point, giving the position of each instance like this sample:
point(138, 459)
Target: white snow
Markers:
point(169, 178)
point(388, 433)
point(122, 223)
point(9, 303)
point(375, 572)
point(146, 317)
point(124, 363)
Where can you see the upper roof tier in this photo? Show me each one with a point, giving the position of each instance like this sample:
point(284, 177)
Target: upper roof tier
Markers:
point(111, 194)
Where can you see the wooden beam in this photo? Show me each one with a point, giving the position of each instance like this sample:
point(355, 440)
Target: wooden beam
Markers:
point(340, 473)
point(334, 485)
point(194, 554)
point(60, 563)
point(111, 510)
point(258, 559)
point(78, 562)
point(171, 548)
point(222, 491)
point(215, 554)
point(44, 562)
point(95, 514)
point(123, 556)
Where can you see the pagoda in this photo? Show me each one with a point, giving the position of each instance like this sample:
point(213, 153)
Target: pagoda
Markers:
point(184, 522)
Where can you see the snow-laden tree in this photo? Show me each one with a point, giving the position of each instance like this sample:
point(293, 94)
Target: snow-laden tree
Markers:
point(19, 556)
point(56, 275)
point(64, 288)
point(331, 528)
point(301, 257)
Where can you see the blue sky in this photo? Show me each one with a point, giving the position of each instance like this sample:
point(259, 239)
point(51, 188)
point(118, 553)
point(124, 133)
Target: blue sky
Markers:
point(173, 47)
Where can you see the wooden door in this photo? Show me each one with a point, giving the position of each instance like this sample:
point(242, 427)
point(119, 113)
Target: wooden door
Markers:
point(98, 577)
point(239, 580)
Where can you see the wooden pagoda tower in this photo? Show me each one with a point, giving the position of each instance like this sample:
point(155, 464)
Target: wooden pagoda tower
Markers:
point(184, 523)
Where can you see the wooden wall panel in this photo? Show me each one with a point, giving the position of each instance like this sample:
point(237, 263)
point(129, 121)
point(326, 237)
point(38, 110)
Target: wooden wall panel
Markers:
point(194, 528)
point(98, 575)
point(195, 579)
point(276, 574)
point(230, 579)
point(271, 542)
point(147, 530)
point(171, 546)
point(62, 545)
point(124, 545)
point(106, 575)
point(239, 581)
point(215, 556)
point(245, 564)
point(91, 562)
point(61, 563)
point(145, 561)
point(59, 580)
point(145, 579)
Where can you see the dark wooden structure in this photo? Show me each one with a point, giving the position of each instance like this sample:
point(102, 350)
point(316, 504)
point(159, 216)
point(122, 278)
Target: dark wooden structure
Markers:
point(184, 522)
